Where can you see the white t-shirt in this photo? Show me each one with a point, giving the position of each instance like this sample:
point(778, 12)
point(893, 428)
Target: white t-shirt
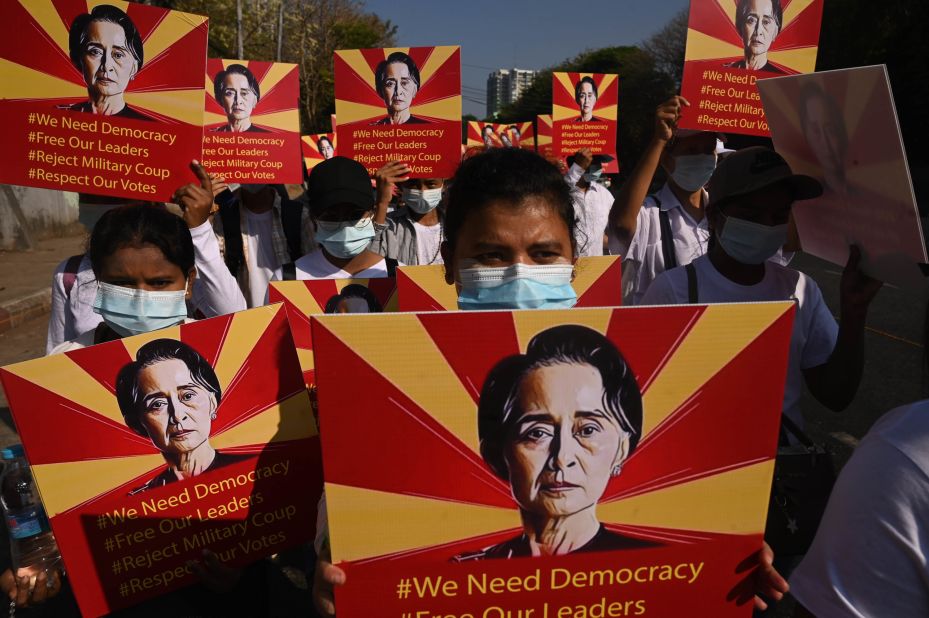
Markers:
point(315, 266)
point(870, 554)
point(592, 210)
point(428, 241)
point(815, 330)
point(261, 262)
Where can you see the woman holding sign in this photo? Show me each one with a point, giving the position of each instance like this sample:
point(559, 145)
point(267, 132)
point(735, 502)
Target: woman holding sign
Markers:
point(105, 46)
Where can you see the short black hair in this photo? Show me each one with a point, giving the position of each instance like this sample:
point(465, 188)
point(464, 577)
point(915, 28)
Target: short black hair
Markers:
point(77, 35)
point(354, 290)
point(136, 225)
point(380, 74)
point(507, 175)
point(742, 10)
point(577, 88)
point(238, 69)
point(323, 138)
point(128, 395)
point(812, 90)
point(498, 408)
point(487, 126)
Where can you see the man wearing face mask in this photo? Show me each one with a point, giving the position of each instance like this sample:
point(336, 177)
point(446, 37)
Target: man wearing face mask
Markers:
point(751, 195)
point(410, 235)
point(342, 209)
point(592, 201)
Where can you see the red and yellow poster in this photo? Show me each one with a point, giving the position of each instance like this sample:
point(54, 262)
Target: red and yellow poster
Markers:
point(585, 109)
point(252, 132)
point(305, 298)
point(317, 148)
point(624, 431)
point(483, 134)
point(731, 44)
point(597, 282)
point(400, 104)
point(107, 429)
point(101, 97)
point(505, 135)
point(841, 128)
point(543, 136)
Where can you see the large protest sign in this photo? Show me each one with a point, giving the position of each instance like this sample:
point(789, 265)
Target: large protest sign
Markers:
point(585, 108)
point(401, 104)
point(101, 98)
point(305, 298)
point(317, 148)
point(252, 132)
point(731, 45)
point(597, 282)
point(841, 127)
point(483, 134)
point(543, 138)
point(661, 480)
point(103, 426)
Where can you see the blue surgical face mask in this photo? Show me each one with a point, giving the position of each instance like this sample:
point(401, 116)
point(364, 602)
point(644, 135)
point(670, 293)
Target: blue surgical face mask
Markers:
point(519, 286)
point(131, 311)
point(692, 172)
point(422, 201)
point(345, 239)
point(594, 176)
point(747, 242)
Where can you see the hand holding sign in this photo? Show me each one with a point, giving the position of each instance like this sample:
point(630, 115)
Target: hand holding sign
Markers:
point(667, 115)
point(196, 201)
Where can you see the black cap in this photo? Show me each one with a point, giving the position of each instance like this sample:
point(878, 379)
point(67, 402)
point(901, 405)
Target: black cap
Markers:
point(339, 180)
point(750, 169)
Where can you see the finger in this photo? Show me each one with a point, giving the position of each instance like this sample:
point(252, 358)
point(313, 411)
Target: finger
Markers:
point(201, 175)
point(760, 605)
point(22, 591)
point(40, 592)
point(333, 574)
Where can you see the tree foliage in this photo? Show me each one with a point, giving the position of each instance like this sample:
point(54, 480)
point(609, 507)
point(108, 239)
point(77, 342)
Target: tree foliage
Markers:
point(666, 47)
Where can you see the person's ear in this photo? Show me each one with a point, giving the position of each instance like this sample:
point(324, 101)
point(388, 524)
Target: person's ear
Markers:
point(191, 277)
point(622, 453)
point(451, 269)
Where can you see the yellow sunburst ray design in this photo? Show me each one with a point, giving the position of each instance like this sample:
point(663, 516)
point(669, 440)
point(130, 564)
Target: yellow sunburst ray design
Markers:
point(528, 324)
point(172, 28)
point(246, 329)
point(732, 502)
point(369, 520)
point(436, 60)
point(389, 50)
point(794, 9)
point(20, 82)
point(609, 112)
point(76, 482)
point(565, 80)
point(448, 108)
point(288, 120)
point(705, 47)
point(184, 105)
point(560, 112)
point(431, 279)
point(298, 294)
point(608, 81)
point(44, 13)
point(712, 343)
point(209, 85)
point(210, 118)
point(425, 377)
point(802, 59)
point(589, 269)
point(122, 5)
point(292, 419)
point(359, 64)
point(351, 111)
point(64, 377)
point(307, 363)
point(132, 344)
point(728, 8)
point(277, 72)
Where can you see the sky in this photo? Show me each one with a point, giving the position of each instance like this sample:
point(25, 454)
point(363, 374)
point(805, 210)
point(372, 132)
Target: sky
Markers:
point(525, 34)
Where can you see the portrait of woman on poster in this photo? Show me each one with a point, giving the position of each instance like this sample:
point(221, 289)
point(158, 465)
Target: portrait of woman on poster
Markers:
point(106, 47)
point(758, 23)
point(396, 81)
point(325, 147)
point(170, 395)
point(557, 423)
point(487, 133)
point(354, 298)
point(823, 126)
point(237, 91)
point(585, 95)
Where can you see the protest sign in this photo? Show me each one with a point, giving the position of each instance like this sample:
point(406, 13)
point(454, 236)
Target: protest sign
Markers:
point(317, 148)
point(584, 112)
point(597, 282)
point(841, 128)
point(400, 104)
point(103, 426)
point(662, 487)
point(101, 98)
point(733, 44)
point(252, 133)
point(483, 134)
point(543, 137)
point(519, 135)
point(305, 298)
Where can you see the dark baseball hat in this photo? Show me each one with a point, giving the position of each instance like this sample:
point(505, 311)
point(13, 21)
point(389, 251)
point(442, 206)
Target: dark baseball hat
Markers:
point(339, 180)
point(750, 169)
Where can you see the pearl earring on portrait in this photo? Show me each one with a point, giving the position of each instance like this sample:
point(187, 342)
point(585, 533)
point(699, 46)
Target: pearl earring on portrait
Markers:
point(213, 416)
point(616, 470)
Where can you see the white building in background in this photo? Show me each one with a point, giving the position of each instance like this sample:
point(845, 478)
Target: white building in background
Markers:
point(504, 86)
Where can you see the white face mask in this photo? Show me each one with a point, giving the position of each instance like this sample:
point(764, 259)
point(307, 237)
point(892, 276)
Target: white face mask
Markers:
point(692, 172)
point(520, 286)
point(131, 311)
point(422, 201)
point(751, 243)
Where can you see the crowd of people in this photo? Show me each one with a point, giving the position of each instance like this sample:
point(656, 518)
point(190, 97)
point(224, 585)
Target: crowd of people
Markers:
point(509, 228)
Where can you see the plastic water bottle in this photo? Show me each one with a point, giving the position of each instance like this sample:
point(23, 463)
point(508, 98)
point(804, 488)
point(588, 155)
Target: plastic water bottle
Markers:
point(32, 544)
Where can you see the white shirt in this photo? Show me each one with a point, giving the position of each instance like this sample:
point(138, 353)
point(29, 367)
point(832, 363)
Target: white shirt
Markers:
point(315, 266)
point(815, 330)
point(260, 258)
point(592, 209)
point(428, 241)
point(215, 291)
point(870, 554)
point(84, 340)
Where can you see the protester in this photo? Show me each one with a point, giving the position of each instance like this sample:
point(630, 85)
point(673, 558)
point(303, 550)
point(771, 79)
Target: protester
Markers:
point(342, 209)
point(592, 200)
point(411, 235)
point(260, 229)
point(214, 291)
point(509, 244)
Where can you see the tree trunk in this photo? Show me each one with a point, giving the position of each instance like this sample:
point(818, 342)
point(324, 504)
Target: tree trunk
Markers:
point(280, 31)
point(238, 28)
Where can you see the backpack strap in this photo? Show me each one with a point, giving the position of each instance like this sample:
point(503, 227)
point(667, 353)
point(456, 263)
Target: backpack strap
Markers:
point(391, 267)
point(692, 295)
point(70, 273)
point(292, 224)
point(234, 250)
point(667, 237)
point(289, 271)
